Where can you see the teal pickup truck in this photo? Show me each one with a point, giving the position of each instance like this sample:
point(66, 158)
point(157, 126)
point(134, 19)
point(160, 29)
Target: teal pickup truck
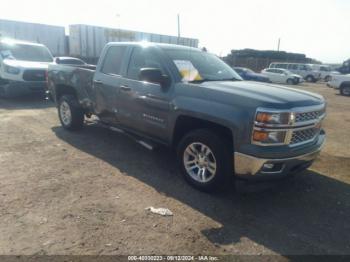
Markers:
point(190, 100)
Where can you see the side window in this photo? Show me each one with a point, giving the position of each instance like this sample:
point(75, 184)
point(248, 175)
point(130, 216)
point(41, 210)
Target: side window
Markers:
point(142, 58)
point(279, 71)
point(282, 66)
point(113, 60)
point(302, 67)
point(293, 67)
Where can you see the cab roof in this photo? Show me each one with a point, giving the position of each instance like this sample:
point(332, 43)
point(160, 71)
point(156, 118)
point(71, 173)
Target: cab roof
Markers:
point(160, 45)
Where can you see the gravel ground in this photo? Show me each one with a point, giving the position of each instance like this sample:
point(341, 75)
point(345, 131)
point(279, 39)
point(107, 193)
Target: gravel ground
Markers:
point(86, 193)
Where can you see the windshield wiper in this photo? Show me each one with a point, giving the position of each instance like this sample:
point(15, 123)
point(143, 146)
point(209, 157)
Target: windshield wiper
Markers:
point(208, 80)
point(202, 80)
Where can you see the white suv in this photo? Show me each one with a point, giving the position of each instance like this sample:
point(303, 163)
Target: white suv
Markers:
point(304, 70)
point(341, 82)
point(23, 67)
point(325, 71)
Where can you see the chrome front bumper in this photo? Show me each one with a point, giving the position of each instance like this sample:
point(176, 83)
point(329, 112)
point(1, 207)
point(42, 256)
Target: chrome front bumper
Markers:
point(250, 166)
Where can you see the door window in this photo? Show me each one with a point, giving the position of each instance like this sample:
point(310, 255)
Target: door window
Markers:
point(142, 58)
point(113, 60)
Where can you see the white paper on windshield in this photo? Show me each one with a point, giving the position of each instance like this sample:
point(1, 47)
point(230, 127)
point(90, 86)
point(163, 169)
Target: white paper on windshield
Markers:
point(187, 70)
point(6, 53)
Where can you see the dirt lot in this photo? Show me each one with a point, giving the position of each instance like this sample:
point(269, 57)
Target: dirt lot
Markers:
point(86, 193)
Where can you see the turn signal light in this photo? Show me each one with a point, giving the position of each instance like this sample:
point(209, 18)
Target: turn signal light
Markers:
point(260, 136)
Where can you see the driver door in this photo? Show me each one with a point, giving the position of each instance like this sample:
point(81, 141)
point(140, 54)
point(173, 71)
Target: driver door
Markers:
point(144, 106)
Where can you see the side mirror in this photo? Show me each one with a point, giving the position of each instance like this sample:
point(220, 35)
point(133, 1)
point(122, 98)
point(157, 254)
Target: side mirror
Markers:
point(153, 75)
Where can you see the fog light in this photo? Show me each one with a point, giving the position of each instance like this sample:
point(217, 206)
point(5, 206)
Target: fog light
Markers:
point(268, 166)
point(272, 168)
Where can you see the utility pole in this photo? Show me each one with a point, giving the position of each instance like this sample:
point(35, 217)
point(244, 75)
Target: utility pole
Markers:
point(178, 26)
point(278, 45)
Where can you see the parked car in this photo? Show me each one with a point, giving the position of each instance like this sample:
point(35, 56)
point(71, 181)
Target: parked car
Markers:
point(303, 70)
point(325, 71)
point(248, 74)
point(283, 76)
point(191, 100)
point(341, 82)
point(23, 66)
point(345, 67)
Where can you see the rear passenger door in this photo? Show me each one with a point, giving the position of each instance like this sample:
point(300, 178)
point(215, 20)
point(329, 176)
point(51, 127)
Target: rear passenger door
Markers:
point(106, 84)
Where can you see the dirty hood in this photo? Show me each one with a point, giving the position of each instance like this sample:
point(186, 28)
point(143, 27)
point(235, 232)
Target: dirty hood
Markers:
point(260, 93)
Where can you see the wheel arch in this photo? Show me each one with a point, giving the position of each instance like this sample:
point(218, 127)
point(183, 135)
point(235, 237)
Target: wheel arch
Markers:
point(62, 89)
point(184, 124)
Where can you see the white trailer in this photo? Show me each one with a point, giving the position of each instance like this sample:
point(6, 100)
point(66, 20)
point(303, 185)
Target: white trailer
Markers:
point(88, 41)
point(53, 37)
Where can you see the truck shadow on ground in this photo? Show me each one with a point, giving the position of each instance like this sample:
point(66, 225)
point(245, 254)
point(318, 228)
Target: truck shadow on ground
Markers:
point(308, 214)
point(26, 102)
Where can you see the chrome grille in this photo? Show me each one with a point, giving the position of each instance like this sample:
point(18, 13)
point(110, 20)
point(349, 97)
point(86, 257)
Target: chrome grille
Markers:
point(304, 135)
point(308, 116)
point(34, 75)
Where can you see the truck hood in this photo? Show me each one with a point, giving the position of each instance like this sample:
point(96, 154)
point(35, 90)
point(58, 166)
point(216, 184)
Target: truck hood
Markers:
point(262, 94)
point(26, 64)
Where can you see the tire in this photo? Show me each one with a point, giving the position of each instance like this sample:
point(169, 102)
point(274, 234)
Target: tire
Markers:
point(290, 81)
point(345, 90)
point(327, 78)
point(217, 165)
point(3, 92)
point(310, 79)
point(70, 113)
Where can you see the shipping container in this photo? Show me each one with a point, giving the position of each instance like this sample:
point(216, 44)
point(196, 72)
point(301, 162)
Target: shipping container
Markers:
point(51, 36)
point(87, 41)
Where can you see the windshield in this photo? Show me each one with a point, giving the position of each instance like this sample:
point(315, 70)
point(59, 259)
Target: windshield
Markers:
point(25, 52)
point(195, 65)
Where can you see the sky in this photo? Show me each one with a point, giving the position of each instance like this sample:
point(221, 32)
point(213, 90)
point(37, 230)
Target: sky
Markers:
point(318, 28)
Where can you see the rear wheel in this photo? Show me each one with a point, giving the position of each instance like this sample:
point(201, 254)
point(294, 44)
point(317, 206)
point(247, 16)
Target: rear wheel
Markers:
point(310, 78)
point(204, 159)
point(290, 81)
point(345, 90)
point(70, 113)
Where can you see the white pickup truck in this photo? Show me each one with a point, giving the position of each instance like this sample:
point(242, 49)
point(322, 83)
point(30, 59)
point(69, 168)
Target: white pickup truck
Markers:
point(23, 67)
point(341, 82)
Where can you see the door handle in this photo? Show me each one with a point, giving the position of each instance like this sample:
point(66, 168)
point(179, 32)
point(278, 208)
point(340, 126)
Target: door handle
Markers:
point(125, 88)
point(98, 82)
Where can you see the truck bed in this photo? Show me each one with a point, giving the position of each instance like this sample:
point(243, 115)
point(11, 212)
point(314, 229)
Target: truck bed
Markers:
point(78, 78)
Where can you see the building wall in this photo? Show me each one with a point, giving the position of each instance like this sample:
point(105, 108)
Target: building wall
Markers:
point(258, 59)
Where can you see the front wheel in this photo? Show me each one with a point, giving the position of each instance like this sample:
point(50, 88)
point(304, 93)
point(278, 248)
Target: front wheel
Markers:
point(204, 159)
point(345, 90)
point(310, 79)
point(69, 112)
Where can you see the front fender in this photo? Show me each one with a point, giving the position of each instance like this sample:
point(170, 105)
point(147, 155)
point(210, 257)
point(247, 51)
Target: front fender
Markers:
point(235, 118)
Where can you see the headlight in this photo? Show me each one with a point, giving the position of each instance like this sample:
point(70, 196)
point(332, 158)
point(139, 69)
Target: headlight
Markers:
point(270, 118)
point(12, 70)
point(269, 137)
